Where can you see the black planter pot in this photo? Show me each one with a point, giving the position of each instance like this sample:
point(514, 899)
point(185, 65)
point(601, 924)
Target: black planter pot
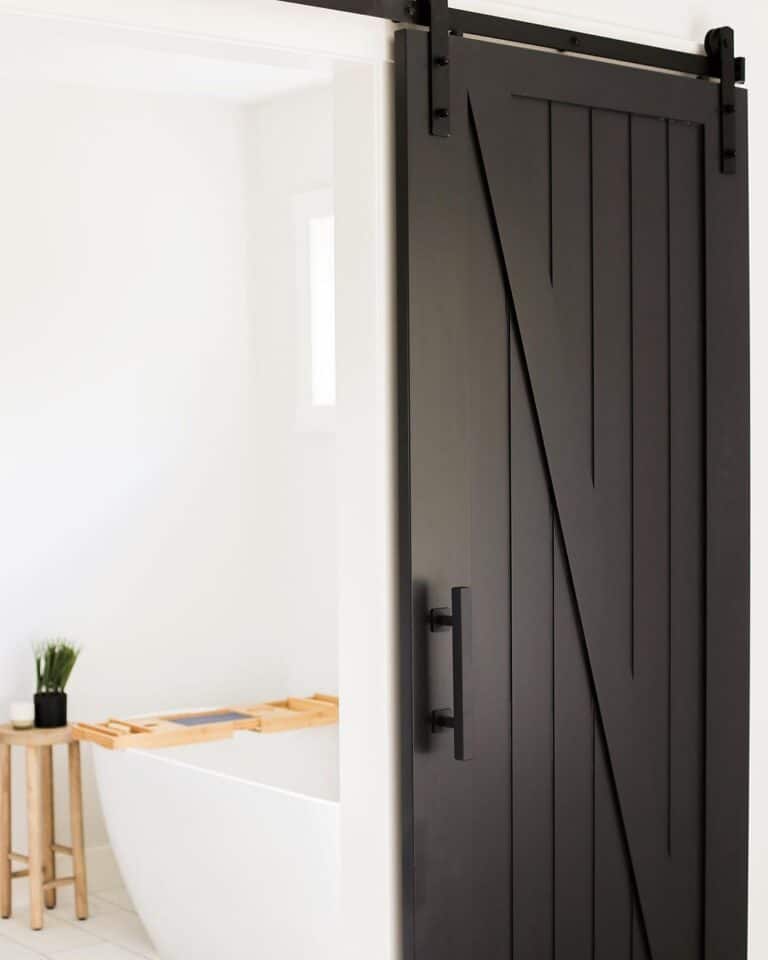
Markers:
point(50, 710)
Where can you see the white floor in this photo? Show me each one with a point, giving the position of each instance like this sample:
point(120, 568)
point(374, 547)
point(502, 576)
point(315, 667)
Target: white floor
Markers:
point(113, 931)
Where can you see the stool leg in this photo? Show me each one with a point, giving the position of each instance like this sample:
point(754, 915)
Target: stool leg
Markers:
point(49, 830)
point(78, 842)
point(5, 831)
point(35, 822)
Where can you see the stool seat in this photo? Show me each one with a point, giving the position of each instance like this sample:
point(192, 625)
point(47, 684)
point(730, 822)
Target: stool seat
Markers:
point(34, 736)
point(39, 864)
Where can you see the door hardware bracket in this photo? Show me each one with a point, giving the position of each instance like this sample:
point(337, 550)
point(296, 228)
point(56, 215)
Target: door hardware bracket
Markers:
point(440, 618)
point(458, 619)
point(439, 69)
point(442, 720)
point(717, 62)
point(719, 44)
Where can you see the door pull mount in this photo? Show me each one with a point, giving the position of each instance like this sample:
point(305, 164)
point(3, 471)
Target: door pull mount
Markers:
point(458, 619)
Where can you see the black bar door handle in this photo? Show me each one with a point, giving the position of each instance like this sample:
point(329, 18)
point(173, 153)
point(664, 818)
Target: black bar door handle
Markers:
point(459, 620)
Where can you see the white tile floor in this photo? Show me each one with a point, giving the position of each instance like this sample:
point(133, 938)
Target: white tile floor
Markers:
point(113, 932)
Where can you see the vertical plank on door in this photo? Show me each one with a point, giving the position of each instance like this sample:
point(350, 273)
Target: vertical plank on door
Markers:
point(531, 615)
point(687, 522)
point(613, 889)
point(574, 775)
point(650, 353)
point(489, 549)
point(727, 546)
point(532, 544)
point(613, 478)
point(571, 218)
point(571, 225)
point(639, 949)
point(434, 375)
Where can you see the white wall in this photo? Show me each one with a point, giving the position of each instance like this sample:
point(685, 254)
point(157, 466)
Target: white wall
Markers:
point(164, 505)
point(109, 370)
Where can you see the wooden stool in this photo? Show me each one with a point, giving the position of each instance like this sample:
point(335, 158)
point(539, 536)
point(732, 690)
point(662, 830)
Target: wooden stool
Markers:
point(40, 863)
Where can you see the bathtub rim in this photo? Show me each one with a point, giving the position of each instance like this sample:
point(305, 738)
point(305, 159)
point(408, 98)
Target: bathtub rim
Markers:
point(161, 754)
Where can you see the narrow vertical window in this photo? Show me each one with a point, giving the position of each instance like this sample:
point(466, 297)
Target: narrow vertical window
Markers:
point(315, 239)
point(322, 311)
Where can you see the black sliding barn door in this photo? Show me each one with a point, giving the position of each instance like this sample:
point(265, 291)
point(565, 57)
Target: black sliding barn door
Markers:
point(574, 453)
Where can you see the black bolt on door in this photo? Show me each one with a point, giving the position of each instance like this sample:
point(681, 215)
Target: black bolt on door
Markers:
point(574, 494)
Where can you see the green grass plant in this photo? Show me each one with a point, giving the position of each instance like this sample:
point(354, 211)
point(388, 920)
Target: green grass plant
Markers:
point(54, 662)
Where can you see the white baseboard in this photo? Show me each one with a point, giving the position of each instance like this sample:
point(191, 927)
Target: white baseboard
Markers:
point(103, 872)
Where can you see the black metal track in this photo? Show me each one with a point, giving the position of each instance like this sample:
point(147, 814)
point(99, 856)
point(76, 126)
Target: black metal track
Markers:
point(518, 31)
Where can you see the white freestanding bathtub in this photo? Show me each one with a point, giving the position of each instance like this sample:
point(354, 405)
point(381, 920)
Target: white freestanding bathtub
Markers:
point(230, 849)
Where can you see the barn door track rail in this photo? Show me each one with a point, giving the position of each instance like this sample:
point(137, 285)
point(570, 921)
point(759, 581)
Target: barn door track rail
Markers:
point(717, 63)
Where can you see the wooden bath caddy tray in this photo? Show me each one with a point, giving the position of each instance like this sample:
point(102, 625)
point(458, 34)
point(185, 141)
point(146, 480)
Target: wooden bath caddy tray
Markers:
point(173, 730)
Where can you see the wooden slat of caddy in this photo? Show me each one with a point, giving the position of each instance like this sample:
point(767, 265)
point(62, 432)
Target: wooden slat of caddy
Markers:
point(293, 713)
